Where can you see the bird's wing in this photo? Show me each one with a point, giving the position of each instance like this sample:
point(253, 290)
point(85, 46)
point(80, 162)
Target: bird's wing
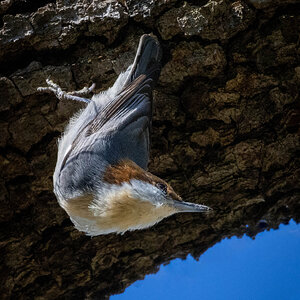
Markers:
point(126, 99)
point(122, 126)
point(124, 123)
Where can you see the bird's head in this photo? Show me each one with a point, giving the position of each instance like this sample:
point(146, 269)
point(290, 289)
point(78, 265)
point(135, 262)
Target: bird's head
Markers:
point(145, 186)
point(131, 199)
point(144, 197)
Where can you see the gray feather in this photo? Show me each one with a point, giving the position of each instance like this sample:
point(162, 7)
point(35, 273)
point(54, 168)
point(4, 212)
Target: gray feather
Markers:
point(114, 125)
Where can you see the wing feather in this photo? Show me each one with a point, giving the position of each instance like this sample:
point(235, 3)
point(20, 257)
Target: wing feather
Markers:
point(135, 93)
point(121, 128)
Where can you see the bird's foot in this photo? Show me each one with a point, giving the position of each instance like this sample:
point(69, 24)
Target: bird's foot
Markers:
point(62, 95)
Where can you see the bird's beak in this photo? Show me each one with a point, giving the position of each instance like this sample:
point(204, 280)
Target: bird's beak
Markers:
point(182, 206)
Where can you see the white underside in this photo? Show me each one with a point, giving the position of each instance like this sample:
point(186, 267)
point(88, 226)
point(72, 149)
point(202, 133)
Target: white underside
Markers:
point(118, 209)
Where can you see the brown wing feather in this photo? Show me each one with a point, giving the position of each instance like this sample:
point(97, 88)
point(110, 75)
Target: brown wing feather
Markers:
point(106, 114)
point(110, 110)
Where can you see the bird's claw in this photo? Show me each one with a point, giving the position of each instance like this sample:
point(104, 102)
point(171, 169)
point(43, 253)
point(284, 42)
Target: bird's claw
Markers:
point(83, 92)
point(62, 95)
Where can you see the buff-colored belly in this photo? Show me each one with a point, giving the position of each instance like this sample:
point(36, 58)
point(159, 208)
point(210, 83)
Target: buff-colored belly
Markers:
point(115, 214)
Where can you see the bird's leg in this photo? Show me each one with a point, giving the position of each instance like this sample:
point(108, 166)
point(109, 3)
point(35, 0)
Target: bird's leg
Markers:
point(61, 95)
point(83, 92)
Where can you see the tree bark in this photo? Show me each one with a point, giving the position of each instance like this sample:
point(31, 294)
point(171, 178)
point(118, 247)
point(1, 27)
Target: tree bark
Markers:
point(225, 131)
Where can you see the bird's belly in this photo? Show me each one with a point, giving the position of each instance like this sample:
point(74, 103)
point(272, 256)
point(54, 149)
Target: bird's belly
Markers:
point(95, 217)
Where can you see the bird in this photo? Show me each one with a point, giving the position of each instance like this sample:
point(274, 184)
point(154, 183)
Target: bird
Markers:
point(101, 178)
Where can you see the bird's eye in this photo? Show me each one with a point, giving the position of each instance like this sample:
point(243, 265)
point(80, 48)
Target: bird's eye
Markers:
point(162, 187)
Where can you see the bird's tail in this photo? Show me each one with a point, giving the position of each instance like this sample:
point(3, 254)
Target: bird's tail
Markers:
point(147, 59)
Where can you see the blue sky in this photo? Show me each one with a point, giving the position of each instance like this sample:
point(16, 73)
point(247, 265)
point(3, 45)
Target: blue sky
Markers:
point(244, 269)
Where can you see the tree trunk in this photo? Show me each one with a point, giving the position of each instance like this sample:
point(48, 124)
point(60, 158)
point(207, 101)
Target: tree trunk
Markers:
point(225, 131)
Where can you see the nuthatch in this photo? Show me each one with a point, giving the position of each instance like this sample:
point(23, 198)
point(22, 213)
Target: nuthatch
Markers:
point(100, 177)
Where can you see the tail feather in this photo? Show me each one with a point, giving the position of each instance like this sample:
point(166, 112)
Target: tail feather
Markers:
point(147, 59)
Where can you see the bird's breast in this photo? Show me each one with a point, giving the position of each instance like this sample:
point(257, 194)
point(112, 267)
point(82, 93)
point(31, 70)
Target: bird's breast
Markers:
point(119, 212)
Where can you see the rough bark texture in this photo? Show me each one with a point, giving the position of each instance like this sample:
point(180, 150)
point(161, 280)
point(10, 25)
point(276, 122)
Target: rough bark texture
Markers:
point(225, 131)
